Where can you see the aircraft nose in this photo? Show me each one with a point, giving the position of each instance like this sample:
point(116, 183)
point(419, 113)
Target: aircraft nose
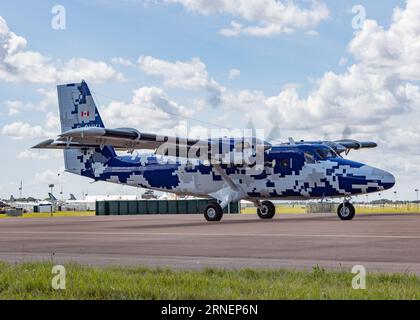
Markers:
point(385, 178)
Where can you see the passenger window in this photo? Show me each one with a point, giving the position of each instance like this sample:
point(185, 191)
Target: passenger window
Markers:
point(284, 163)
point(309, 157)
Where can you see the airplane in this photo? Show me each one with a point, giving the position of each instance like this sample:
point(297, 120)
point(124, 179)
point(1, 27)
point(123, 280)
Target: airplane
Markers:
point(225, 169)
point(52, 198)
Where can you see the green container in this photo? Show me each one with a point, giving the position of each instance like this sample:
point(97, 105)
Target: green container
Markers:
point(234, 207)
point(158, 207)
point(182, 207)
point(162, 206)
point(100, 208)
point(172, 207)
point(226, 209)
point(152, 207)
point(141, 207)
point(123, 208)
point(113, 208)
point(201, 205)
point(231, 208)
point(132, 208)
point(192, 206)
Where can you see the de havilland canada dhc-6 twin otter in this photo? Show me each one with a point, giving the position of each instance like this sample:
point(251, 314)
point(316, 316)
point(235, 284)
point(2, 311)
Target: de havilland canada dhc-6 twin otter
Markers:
point(225, 169)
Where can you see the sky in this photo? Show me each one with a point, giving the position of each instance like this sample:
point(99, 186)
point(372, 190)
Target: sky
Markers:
point(304, 69)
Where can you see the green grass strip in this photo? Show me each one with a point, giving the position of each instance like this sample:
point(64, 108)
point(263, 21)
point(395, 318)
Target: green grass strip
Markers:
point(33, 281)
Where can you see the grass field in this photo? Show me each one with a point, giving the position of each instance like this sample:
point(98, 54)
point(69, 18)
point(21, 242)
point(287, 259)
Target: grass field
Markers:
point(33, 281)
point(409, 208)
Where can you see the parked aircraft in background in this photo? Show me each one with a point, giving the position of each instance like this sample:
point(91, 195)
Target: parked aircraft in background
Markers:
point(227, 169)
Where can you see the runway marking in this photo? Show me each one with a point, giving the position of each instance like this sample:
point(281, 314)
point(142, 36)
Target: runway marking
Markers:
point(282, 235)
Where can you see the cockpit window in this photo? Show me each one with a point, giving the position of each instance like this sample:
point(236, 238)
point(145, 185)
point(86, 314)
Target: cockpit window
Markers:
point(309, 157)
point(325, 153)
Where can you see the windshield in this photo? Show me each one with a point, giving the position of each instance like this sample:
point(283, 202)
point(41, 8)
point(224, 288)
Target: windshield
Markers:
point(309, 157)
point(325, 153)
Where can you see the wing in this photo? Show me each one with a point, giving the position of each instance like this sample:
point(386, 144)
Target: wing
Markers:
point(131, 139)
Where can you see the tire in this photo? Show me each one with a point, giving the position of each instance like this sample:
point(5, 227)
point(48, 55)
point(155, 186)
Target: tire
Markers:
point(213, 212)
point(268, 212)
point(346, 211)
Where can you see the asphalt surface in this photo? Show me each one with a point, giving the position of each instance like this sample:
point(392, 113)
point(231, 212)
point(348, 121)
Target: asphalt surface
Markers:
point(385, 242)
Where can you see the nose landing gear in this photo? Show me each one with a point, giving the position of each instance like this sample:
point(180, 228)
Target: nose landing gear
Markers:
point(346, 211)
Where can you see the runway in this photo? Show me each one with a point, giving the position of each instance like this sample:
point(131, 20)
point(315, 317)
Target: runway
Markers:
point(386, 242)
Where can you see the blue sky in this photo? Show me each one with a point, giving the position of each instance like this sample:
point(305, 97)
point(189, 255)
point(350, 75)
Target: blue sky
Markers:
point(99, 31)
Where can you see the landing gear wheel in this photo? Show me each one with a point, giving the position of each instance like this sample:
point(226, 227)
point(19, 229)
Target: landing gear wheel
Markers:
point(267, 211)
point(213, 212)
point(346, 211)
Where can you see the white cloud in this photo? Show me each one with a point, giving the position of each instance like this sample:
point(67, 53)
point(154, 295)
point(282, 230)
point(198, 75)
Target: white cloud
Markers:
point(17, 64)
point(46, 177)
point(186, 75)
point(32, 154)
point(271, 17)
point(395, 49)
point(122, 61)
point(190, 75)
point(372, 91)
point(149, 109)
point(15, 107)
point(52, 122)
point(40, 154)
point(92, 71)
point(343, 61)
point(22, 130)
point(234, 73)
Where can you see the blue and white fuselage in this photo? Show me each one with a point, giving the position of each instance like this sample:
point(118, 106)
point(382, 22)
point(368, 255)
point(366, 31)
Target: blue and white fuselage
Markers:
point(291, 172)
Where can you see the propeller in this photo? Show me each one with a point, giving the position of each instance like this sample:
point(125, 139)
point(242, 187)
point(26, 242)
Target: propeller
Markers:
point(274, 135)
point(346, 144)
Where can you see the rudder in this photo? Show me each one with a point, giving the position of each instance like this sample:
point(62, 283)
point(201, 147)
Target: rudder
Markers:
point(77, 107)
point(77, 110)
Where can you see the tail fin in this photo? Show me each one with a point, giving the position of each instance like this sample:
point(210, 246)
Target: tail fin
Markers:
point(78, 109)
point(72, 197)
point(51, 197)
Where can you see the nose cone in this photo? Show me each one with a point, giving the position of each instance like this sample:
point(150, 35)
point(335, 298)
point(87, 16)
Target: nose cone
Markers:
point(385, 179)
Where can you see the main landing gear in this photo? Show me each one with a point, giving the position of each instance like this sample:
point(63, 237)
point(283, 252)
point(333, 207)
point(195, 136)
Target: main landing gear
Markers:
point(266, 210)
point(346, 211)
point(213, 212)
